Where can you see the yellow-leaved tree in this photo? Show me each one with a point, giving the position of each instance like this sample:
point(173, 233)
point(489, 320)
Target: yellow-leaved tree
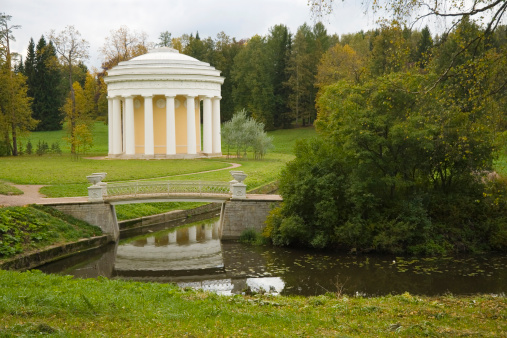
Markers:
point(78, 120)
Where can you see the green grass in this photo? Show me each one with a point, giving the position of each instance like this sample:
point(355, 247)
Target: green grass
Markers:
point(65, 176)
point(99, 147)
point(56, 169)
point(284, 140)
point(25, 229)
point(32, 303)
point(7, 189)
point(131, 211)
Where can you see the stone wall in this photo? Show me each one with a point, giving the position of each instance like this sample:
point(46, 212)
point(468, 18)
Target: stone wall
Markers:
point(102, 215)
point(239, 215)
point(143, 225)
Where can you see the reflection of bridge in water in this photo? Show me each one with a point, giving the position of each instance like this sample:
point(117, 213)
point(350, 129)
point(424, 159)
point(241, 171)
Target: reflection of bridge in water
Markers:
point(191, 256)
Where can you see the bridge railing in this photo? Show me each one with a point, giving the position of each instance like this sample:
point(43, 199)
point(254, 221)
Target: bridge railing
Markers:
point(99, 190)
point(165, 187)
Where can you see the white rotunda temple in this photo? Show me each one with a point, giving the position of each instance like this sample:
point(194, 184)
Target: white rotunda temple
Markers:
point(154, 107)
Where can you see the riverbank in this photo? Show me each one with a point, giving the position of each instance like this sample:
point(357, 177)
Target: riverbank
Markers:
point(34, 303)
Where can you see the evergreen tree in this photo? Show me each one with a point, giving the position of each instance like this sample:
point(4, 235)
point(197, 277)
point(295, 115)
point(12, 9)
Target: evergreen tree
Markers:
point(424, 46)
point(279, 46)
point(301, 78)
point(253, 89)
point(29, 68)
point(47, 98)
point(226, 50)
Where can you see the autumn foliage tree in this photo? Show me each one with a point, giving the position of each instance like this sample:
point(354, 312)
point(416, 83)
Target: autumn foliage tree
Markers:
point(71, 48)
point(15, 105)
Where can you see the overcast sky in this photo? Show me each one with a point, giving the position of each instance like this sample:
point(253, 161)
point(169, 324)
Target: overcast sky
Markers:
point(95, 19)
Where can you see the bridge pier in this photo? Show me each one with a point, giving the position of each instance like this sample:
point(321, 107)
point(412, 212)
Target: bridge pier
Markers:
point(249, 213)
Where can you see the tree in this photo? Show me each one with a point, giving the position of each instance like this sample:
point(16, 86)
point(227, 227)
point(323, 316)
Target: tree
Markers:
point(279, 47)
point(78, 118)
point(15, 112)
point(226, 50)
point(242, 132)
point(29, 69)
point(253, 88)
point(300, 77)
point(72, 49)
point(45, 86)
point(424, 47)
point(340, 63)
point(123, 45)
point(390, 51)
point(165, 39)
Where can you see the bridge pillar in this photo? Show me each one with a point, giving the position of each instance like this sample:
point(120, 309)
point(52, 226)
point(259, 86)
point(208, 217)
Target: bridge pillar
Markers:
point(241, 214)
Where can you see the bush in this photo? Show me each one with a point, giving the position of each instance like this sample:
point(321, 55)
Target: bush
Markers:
point(328, 204)
point(242, 132)
point(42, 148)
point(29, 148)
point(251, 236)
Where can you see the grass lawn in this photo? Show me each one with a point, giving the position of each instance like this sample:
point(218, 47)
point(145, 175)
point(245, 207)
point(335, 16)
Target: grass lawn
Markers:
point(7, 189)
point(65, 176)
point(33, 304)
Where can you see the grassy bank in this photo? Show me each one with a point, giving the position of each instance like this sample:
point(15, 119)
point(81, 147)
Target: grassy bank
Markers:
point(33, 303)
point(26, 229)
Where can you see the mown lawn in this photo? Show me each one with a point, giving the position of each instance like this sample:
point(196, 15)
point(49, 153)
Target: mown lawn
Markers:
point(32, 303)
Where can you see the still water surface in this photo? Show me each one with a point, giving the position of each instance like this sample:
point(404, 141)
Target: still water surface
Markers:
point(193, 256)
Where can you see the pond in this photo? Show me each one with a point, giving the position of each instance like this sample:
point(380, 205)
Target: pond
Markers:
point(193, 256)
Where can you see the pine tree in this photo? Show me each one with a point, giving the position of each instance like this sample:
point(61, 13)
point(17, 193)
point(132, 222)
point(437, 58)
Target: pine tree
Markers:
point(49, 77)
point(301, 77)
point(29, 68)
point(279, 46)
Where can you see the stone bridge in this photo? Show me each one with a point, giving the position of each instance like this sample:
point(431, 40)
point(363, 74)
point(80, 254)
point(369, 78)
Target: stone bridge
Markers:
point(239, 211)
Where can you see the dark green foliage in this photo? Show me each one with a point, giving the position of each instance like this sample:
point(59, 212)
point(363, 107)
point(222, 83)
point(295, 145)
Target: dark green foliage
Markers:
point(279, 49)
point(43, 80)
point(42, 148)
point(29, 148)
point(253, 89)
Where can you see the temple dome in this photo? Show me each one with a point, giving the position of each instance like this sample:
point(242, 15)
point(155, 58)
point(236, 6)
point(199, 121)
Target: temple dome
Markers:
point(161, 70)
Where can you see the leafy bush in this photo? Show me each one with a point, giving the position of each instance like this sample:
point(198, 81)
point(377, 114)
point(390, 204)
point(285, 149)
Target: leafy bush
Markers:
point(242, 132)
point(251, 236)
point(327, 203)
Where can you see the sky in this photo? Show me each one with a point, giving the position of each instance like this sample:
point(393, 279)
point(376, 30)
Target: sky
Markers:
point(95, 19)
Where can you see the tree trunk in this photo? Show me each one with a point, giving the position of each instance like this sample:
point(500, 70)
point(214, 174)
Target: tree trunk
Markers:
point(73, 114)
point(14, 140)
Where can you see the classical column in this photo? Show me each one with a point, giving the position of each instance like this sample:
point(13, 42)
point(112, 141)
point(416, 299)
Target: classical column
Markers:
point(123, 126)
point(192, 234)
point(130, 144)
point(117, 132)
point(110, 124)
point(207, 126)
point(217, 141)
point(191, 135)
point(170, 126)
point(149, 145)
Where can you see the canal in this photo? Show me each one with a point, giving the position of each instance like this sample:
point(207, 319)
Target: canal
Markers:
point(192, 255)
